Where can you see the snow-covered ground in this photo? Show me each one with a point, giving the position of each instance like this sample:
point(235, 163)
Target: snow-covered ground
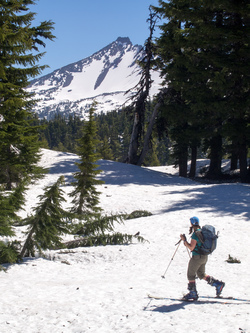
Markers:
point(104, 289)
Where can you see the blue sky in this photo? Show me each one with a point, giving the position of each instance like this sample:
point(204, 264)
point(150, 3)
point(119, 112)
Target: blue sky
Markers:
point(83, 27)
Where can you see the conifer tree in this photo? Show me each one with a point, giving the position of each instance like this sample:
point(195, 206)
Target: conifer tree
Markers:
point(140, 99)
point(19, 55)
point(85, 195)
point(94, 225)
point(48, 223)
point(10, 204)
point(105, 150)
point(199, 52)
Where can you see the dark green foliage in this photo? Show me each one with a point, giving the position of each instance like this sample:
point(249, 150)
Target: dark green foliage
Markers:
point(137, 213)
point(105, 149)
point(61, 133)
point(113, 135)
point(96, 224)
point(93, 231)
point(85, 196)
point(10, 204)
point(103, 239)
point(203, 54)
point(114, 128)
point(6, 215)
point(9, 252)
point(19, 147)
point(49, 222)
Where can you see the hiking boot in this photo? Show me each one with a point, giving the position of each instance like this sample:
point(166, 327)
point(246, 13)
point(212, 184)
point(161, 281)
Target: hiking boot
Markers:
point(219, 285)
point(192, 295)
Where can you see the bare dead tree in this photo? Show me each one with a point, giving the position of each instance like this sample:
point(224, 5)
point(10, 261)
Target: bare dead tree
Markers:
point(139, 99)
point(148, 135)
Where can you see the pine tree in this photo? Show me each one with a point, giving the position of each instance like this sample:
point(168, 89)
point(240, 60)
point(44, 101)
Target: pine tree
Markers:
point(173, 61)
point(140, 102)
point(18, 57)
point(105, 150)
point(203, 56)
point(10, 204)
point(93, 227)
point(48, 223)
point(85, 196)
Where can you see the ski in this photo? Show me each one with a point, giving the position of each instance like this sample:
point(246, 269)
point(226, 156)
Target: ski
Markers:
point(168, 298)
point(203, 297)
point(226, 298)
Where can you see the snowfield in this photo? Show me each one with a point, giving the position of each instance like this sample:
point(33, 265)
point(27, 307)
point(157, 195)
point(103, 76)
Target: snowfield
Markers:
point(105, 289)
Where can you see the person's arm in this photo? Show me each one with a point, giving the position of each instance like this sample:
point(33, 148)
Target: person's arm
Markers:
point(190, 245)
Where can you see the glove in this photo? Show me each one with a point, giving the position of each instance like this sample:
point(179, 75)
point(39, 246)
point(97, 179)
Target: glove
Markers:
point(183, 237)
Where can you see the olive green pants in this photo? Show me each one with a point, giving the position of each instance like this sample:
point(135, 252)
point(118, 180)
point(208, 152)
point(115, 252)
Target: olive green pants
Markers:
point(197, 266)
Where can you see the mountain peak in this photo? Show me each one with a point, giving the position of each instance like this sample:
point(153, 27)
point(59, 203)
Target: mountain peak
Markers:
point(123, 40)
point(104, 76)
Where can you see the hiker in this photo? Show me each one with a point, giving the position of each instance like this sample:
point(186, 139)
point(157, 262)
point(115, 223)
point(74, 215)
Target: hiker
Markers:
point(197, 264)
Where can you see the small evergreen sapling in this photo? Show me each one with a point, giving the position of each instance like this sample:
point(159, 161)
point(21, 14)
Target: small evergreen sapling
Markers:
point(94, 224)
point(85, 196)
point(48, 223)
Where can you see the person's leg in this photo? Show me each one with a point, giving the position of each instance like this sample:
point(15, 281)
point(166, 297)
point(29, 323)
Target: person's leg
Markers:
point(193, 266)
point(219, 285)
point(201, 272)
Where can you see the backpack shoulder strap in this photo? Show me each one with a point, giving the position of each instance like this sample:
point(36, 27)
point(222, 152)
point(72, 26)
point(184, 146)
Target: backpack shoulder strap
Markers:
point(199, 235)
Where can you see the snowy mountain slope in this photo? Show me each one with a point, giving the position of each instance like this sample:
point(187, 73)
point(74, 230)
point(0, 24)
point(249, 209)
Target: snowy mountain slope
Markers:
point(104, 289)
point(104, 76)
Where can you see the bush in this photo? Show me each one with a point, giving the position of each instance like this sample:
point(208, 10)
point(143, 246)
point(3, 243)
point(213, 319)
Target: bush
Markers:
point(138, 213)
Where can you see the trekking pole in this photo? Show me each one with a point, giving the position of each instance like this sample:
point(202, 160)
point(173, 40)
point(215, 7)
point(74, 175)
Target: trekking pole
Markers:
point(178, 243)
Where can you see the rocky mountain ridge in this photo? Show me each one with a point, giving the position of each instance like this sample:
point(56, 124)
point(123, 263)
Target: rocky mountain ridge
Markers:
point(104, 77)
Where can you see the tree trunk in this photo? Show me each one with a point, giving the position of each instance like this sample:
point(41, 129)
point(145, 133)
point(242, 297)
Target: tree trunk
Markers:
point(214, 171)
point(26, 244)
point(243, 162)
point(192, 171)
point(234, 161)
point(234, 156)
point(142, 95)
point(134, 142)
point(183, 157)
point(148, 134)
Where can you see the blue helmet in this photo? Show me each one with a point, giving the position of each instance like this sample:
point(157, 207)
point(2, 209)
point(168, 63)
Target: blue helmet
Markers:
point(194, 220)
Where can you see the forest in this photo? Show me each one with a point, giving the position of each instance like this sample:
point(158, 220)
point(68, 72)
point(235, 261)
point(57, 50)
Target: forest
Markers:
point(113, 137)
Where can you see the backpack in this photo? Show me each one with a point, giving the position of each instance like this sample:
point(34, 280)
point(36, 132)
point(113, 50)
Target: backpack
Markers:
point(208, 238)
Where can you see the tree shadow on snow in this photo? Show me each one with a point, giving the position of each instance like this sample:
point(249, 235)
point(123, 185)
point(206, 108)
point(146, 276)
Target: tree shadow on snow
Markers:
point(116, 173)
point(229, 199)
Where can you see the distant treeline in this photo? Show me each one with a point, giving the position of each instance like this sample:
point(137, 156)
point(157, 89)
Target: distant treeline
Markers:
point(113, 134)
